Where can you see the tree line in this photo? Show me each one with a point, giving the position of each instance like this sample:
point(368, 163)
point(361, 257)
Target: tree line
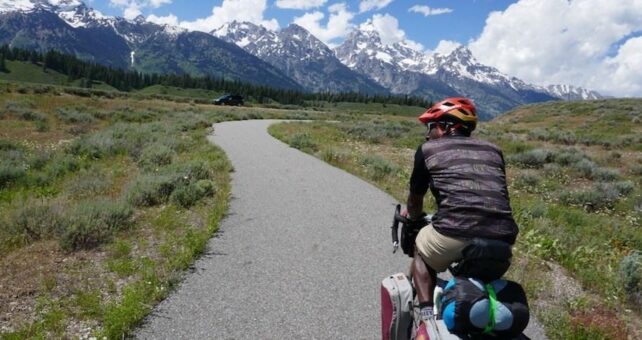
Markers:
point(128, 80)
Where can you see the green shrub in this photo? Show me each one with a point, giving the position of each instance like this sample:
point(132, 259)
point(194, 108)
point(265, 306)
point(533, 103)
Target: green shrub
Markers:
point(535, 158)
point(624, 188)
point(553, 170)
point(192, 122)
point(606, 174)
point(556, 136)
point(83, 232)
point(32, 116)
point(150, 190)
point(42, 126)
point(333, 156)
point(94, 222)
point(89, 183)
point(187, 195)
point(376, 131)
point(95, 146)
point(631, 275)
point(71, 116)
point(155, 155)
point(527, 180)
point(302, 141)
point(586, 168)
point(378, 167)
point(194, 170)
point(600, 196)
point(568, 157)
point(35, 221)
point(7, 145)
point(10, 173)
point(39, 160)
point(61, 165)
point(131, 116)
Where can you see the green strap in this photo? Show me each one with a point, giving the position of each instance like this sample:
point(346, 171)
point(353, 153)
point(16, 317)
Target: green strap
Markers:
point(492, 307)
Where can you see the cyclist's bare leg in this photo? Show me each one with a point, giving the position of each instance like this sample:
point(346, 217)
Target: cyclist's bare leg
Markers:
point(424, 278)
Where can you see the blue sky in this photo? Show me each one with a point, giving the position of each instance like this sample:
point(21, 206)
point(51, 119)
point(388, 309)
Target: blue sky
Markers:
point(596, 44)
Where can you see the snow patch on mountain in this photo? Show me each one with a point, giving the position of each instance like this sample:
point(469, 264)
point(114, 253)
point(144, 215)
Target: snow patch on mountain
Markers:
point(569, 92)
point(73, 12)
point(16, 5)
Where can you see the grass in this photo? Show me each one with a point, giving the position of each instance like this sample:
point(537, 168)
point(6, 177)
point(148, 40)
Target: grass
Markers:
point(21, 71)
point(575, 193)
point(72, 196)
point(179, 92)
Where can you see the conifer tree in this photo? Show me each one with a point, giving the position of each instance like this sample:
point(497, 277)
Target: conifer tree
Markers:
point(3, 66)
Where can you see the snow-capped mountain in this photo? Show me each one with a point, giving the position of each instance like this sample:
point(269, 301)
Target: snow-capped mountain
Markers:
point(73, 12)
point(396, 67)
point(300, 55)
point(403, 69)
point(568, 92)
point(71, 27)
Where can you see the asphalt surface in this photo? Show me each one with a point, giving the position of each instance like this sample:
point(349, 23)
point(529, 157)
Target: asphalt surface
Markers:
point(300, 255)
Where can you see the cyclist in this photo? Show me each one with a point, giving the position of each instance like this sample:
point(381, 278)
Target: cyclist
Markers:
point(467, 177)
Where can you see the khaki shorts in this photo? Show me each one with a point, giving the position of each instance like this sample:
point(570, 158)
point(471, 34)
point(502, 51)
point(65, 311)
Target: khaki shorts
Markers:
point(438, 250)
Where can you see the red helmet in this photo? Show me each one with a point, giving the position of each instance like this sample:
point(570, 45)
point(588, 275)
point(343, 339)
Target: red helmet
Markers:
point(458, 109)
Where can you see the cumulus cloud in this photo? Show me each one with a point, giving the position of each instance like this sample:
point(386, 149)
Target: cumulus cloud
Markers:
point(300, 4)
point(623, 71)
point(231, 10)
point(567, 42)
point(427, 11)
point(133, 8)
point(389, 31)
point(170, 19)
point(368, 5)
point(445, 47)
point(339, 23)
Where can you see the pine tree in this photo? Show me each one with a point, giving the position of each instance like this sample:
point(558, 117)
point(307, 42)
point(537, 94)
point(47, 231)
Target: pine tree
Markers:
point(3, 66)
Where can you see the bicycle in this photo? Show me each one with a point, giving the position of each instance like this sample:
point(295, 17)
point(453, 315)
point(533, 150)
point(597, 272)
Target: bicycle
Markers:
point(483, 262)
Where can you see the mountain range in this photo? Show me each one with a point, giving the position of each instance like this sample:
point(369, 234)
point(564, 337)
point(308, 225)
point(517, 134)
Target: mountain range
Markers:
point(290, 58)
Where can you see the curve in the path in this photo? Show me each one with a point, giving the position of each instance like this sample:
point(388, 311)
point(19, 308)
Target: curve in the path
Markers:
point(300, 255)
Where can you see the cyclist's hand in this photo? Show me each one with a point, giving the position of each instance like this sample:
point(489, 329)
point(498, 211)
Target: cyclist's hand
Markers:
point(404, 213)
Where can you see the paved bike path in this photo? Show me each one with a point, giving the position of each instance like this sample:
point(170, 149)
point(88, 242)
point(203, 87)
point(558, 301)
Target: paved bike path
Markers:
point(300, 255)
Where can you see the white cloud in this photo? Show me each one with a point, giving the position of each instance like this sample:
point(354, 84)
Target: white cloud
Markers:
point(300, 4)
point(367, 5)
point(133, 8)
point(566, 42)
point(338, 26)
point(389, 31)
point(445, 47)
point(427, 11)
point(159, 3)
point(622, 72)
point(231, 10)
point(170, 19)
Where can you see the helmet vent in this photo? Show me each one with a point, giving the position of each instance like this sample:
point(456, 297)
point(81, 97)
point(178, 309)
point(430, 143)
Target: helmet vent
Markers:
point(449, 104)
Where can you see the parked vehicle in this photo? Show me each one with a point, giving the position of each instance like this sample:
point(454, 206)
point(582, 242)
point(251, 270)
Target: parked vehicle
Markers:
point(229, 99)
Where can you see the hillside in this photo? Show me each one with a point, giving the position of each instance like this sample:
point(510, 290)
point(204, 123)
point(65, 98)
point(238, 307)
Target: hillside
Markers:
point(20, 71)
point(574, 174)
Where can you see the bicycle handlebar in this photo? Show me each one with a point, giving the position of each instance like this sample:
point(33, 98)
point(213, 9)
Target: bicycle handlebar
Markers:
point(398, 218)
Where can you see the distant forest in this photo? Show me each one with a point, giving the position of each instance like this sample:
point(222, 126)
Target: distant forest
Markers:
point(128, 80)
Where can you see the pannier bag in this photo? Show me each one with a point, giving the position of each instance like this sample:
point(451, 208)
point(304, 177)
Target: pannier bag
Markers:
point(470, 307)
point(396, 307)
point(484, 259)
